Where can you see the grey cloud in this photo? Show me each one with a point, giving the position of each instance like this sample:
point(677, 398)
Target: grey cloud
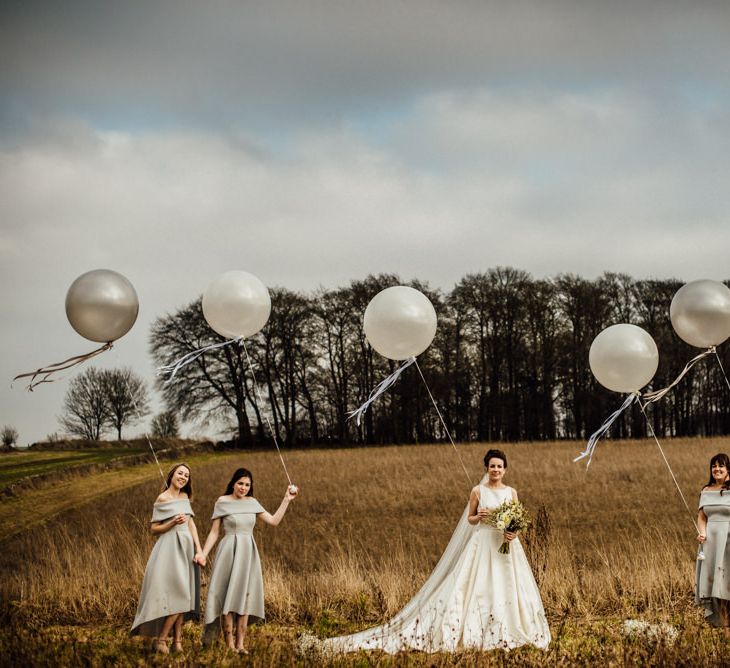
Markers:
point(290, 62)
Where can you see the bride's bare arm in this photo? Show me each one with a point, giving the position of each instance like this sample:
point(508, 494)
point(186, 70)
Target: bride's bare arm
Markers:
point(476, 514)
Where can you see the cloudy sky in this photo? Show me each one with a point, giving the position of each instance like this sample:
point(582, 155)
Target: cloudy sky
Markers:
point(311, 143)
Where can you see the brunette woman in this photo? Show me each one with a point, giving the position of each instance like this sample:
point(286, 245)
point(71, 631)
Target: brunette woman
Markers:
point(171, 586)
point(236, 587)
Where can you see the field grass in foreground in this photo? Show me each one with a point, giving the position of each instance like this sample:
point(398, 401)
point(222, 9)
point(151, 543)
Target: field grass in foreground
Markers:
point(609, 544)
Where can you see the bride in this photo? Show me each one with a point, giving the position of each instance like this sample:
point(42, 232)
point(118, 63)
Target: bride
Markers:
point(475, 597)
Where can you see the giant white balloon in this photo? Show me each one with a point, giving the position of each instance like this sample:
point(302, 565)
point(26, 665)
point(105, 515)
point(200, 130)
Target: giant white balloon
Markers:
point(700, 313)
point(400, 322)
point(102, 305)
point(236, 304)
point(623, 358)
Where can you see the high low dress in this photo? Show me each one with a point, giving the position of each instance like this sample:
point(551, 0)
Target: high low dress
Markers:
point(474, 598)
point(712, 578)
point(171, 580)
point(236, 583)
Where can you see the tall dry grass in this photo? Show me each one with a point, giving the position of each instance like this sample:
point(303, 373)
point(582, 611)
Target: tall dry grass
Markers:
point(615, 541)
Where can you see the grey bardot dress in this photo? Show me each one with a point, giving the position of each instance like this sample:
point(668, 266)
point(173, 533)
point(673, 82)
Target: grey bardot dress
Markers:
point(236, 584)
point(171, 582)
point(712, 580)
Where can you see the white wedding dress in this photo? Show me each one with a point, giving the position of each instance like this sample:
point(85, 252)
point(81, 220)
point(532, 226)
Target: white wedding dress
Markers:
point(474, 598)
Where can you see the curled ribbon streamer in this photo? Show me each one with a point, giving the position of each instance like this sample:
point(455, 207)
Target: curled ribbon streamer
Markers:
point(382, 386)
point(173, 368)
point(595, 437)
point(651, 397)
point(47, 371)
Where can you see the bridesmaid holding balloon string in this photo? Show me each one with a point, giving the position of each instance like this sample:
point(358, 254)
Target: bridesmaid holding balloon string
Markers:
point(712, 575)
point(236, 588)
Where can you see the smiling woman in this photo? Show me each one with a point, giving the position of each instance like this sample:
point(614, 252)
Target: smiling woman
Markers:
point(171, 587)
point(712, 584)
point(236, 587)
point(477, 597)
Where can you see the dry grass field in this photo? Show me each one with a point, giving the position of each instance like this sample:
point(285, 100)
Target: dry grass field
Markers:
point(609, 544)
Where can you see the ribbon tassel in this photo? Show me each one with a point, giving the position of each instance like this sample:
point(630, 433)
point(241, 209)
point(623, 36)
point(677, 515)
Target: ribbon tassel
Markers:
point(595, 437)
point(49, 370)
point(174, 367)
point(651, 397)
point(382, 387)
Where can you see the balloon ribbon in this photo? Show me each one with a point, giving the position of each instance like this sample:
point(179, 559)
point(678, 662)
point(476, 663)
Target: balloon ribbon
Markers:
point(382, 386)
point(651, 397)
point(173, 368)
point(47, 371)
point(593, 440)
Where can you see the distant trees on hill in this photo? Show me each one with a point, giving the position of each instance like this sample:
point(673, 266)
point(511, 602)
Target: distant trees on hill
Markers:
point(102, 399)
point(509, 362)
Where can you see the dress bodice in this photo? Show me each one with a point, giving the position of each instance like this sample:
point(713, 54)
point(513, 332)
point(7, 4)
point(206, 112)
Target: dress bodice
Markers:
point(241, 523)
point(165, 510)
point(716, 505)
point(491, 498)
point(238, 516)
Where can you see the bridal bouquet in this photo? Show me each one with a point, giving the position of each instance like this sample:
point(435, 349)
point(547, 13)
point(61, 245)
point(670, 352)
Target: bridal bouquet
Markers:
point(509, 516)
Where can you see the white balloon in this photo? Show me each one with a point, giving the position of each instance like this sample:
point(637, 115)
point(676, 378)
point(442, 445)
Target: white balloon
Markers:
point(102, 305)
point(236, 304)
point(400, 322)
point(623, 358)
point(700, 313)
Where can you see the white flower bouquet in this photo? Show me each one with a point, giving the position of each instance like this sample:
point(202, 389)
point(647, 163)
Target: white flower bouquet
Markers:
point(509, 516)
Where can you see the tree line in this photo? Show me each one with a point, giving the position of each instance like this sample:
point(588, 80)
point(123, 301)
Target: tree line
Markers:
point(509, 363)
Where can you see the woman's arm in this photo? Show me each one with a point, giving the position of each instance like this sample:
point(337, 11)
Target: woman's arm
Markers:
point(159, 528)
point(476, 514)
point(274, 519)
point(215, 529)
point(701, 526)
point(194, 532)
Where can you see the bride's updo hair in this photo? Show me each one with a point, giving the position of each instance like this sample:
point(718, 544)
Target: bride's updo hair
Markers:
point(495, 454)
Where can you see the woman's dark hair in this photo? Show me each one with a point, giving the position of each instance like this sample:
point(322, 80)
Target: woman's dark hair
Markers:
point(240, 473)
point(722, 459)
point(188, 489)
point(495, 454)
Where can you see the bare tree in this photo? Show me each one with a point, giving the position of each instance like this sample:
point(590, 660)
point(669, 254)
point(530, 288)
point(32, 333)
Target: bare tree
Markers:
point(9, 436)
point(213, 385)
point(126, 397)
point(165, 425)
point(101, 398)
point(85, 409)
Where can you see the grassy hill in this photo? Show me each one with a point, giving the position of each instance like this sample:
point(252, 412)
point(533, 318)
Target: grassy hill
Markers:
point(609, 544)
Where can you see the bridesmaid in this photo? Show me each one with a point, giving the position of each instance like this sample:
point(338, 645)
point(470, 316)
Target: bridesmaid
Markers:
point(712, 582)
point(171, 587)
point(236, 584)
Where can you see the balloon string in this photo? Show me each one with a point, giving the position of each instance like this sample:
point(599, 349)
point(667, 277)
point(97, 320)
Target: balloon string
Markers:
point(656, 440)
point(186, 359)
point(379, 389)
point(446, 429)
point(651, 397)
point(595, 437)
point(136, 408)
point(49, 370)
point(266, 417)
point(727, 382)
